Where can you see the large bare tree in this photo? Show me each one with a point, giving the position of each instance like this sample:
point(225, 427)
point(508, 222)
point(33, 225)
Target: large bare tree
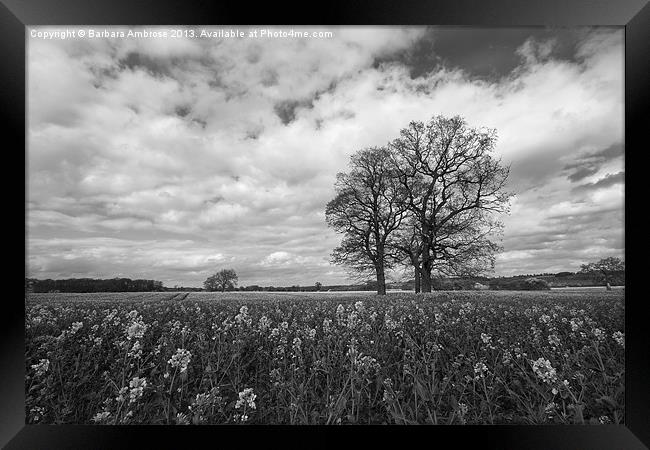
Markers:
point(368, 208)
point(453, 188)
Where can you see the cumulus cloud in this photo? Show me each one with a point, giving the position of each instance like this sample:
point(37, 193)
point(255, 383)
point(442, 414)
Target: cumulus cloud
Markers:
point(158, 155)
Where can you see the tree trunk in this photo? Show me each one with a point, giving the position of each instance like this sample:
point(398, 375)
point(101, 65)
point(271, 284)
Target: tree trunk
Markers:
point(381, 280)
point(425, 273)
point(416, 272)
point(609, 288)
point(426, 280)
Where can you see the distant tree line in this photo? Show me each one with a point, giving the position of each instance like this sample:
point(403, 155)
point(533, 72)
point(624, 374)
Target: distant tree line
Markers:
point(92, 285)
point(372, 286)
point(182, 289)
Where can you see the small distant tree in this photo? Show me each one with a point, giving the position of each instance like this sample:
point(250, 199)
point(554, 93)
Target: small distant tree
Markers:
point(604, 268)
point(318, 285)
point(223, 280)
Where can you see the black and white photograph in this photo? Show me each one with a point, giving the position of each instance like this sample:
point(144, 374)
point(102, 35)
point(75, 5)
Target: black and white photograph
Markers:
point(325, 225)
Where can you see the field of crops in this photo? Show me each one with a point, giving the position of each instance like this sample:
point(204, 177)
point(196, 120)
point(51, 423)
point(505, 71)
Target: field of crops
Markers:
point(294, 358)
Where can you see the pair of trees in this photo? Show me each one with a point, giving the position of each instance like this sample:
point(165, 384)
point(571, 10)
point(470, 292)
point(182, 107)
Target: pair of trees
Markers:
point(427, 200)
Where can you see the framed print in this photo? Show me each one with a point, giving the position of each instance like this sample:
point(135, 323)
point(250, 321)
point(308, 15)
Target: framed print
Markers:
point(380, 215)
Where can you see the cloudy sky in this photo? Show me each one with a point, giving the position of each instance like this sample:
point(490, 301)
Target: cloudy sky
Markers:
point(171, 158)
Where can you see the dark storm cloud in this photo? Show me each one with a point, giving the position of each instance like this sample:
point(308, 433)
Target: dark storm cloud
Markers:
point(483, 53)
point(103, 74)
point(157, 67)
point(215, 199)
point(587, 165)
point(609, 180)
point(286, 110)
point(582, 172)
point(569, 231)
point(182, 110)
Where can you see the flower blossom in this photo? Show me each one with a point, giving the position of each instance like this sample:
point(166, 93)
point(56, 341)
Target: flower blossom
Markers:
point(544, 370)
point(619, 338)
point(42, 367)
point(246, 399)
point(180, 359)
point(137, 386)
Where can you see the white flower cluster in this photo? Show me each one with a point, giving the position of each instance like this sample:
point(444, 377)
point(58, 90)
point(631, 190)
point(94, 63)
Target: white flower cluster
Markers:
point(327, 325)
point(340, 314)
point(353, 320)
point(360, 362)
point(550, 409)
point(554, 341)
point(37, 413)
point(575, 324)
point(111, 318)
point(619, 337)
point(203, 403)
point(544, 370)
point(297, 345)
point(42, 367)
point(76, 326)
point(462, 410)
point(390, 323)
point(136, 328)
point(101, 416)
point(120, 394)
point(180, 359)
point(276, 376)
point(598, 334)
point(388, 390)
point(137, 386)
point(246, 401)
point(243, 318)
point(136, 351)
point(263, 324)
point(480, 369)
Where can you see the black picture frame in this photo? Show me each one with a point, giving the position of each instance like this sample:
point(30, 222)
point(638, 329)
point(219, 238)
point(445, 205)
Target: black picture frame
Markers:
point(633, 15)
